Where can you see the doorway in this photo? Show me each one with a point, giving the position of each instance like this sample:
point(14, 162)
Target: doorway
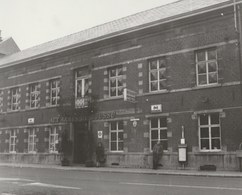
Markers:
point(80, 142)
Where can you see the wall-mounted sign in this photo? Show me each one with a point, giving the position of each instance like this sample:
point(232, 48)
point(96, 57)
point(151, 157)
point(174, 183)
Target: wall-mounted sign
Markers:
point(30, 120)
point(100, 134)
point(129, 95)
point(156, 108)
point(134, 120)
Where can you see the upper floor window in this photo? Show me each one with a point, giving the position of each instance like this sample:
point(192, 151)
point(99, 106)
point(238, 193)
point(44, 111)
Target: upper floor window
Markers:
point(15, 98)
point(53, 140)
point(34, 91)
point(12, 141)
point(55, 92)
point(209, 132)
point(158, 132)
point(206, 67)
point(116, 136)
point(157, 74)
point(32, 140)
point(81, 84)
point(116, 81)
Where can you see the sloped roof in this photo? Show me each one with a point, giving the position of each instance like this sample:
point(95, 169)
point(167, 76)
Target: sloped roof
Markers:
point(140, 20)
point(8, 46)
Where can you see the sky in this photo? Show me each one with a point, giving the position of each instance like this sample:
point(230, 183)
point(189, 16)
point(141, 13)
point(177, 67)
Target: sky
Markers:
point(32, 22)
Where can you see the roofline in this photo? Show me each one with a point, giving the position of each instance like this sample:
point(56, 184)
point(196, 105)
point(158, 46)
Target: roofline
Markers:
point(125, 31)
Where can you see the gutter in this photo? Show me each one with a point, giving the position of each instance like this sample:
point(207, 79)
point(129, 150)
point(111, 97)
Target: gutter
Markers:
point(123, 32)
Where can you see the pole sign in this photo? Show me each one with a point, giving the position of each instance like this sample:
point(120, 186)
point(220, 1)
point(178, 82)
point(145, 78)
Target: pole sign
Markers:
point(100, 134)
point(129, 95)
point(30, 120)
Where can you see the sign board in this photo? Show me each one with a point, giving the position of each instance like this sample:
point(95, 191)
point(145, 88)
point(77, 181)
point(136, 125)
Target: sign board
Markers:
point(156, 108)
point(30, 120)
point(81, 102)
point(100, 134)
point(129, 95)
point(182, 153)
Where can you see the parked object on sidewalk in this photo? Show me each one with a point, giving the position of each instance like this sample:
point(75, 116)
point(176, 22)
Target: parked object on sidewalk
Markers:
point(157, 154)
point(100, 156)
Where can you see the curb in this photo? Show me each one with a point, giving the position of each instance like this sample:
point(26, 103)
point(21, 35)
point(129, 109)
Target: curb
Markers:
point(224, 174)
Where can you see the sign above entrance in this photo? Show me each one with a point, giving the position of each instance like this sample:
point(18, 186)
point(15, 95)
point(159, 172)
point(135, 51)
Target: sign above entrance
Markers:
point(156, 108)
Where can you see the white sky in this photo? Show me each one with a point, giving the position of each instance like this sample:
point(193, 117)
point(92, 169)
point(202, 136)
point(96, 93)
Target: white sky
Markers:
point(32, 22)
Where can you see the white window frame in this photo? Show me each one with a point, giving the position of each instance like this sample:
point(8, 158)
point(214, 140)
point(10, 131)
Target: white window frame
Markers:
point(15, 98)
point(12, 140)
point(32, 140)
point(209, 126)
point(116, 78)
point(57, 92)
point(53, 139)
point(35, 92)
point(116, 131)
point(159, 129)
point(158, 69)
point(207, 61)
point(84, 79)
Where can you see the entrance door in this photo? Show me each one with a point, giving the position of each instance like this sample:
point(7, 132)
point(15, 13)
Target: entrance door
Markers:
point(80, 142)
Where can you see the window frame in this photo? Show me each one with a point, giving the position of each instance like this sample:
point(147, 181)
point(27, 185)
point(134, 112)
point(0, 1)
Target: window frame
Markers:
point(116, 78)
point(206, 61)
point(15, 105)
point(54, 135)
point(158, 69)
point(116, 131)
point(12, 140)
point(36, 94)
point(55, 98)
point(159, 129)
point(209, 126)
point(84, 79)
point(32, 140)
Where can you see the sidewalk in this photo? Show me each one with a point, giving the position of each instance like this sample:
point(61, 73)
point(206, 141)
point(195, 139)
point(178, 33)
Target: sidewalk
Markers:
point(235, 174)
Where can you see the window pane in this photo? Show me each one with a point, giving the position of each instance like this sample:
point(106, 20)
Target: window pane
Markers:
point(112, 72)
point(204, 132)
point(153, 65)
point(164, 143)
point(162, 63)
point(215, 132)
point(201, 56)
point(120, 71)
point(202, 79)
point(113, 146)
point(213, 78)
point(202, 68)
point(154, 86)
point(162, 73)
point(154, 76)
point(113, 136)
point(154, 134)
point(112, 82)
point(120, 125)
point(113, 125)
point(204, 144)
point(212, 67)
point(214, 118)
point(120, 146)
point(113, 92)
point(120, 91)
point(154, 123)
point(204, 119)
point(215, 143)
point(163, 134)
point(163, 122)
point(162, 84)
point(120, 136)
point(211, 54)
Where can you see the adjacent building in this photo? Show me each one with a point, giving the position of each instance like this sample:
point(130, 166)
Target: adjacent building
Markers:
point(166, 73)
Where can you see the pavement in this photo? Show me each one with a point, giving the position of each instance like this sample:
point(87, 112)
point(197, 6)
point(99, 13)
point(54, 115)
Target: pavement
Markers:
point(160, 171)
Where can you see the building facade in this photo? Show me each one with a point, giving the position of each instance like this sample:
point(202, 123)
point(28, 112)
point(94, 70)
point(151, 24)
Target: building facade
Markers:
point(147, 80)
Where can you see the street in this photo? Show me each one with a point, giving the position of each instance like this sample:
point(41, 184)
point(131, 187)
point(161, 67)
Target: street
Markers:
point(44, 181)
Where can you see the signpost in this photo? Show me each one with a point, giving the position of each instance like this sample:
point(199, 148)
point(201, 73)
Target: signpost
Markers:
point(129, 95)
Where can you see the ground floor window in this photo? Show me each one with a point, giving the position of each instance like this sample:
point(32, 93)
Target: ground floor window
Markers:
point(53, 140)
point(32, 140)
point(209, 132)
point(116, 136)
point(12, 140)
point(158, 132)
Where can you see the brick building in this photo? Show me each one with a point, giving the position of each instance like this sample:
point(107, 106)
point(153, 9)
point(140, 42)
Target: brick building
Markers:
point(180, 65)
